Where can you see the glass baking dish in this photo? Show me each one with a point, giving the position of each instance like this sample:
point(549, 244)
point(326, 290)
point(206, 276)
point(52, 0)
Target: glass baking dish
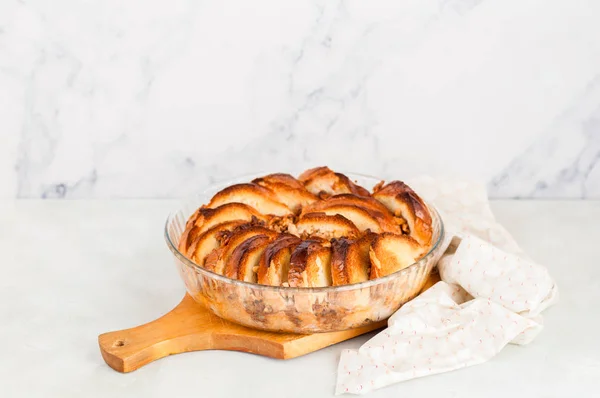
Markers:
point(299, 310)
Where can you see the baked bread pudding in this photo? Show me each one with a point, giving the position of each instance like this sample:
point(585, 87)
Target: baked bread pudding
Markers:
point(320, 229)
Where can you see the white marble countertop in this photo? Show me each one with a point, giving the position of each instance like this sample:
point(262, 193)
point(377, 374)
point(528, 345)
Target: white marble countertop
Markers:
point(71, 270)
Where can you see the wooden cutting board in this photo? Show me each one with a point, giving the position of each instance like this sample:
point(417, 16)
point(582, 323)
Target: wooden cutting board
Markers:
point(191, 327)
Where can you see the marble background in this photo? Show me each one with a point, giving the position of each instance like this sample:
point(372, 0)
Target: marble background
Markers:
point(153, 98)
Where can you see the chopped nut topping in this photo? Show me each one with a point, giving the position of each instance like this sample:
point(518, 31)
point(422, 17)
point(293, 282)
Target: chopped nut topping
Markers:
point(222, 237)
point(281, 224)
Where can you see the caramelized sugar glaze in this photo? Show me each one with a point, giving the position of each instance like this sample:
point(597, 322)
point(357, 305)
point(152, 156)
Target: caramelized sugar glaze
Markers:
point(320, 229)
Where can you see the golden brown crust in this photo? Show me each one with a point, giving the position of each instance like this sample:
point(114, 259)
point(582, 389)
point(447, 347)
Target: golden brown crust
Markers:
point(390, 253)
point(245, 257)
point(274, 264)
point(249, 263)
point(371, 214)
point(366, 202)
point(322, 180)
point(185, 240)
point(350, 260)
point(217, 259)
point(318, 230)
point(309, 174)
point(339, 258)
point(310, 265)
point(190, 234)
point(359, 260)
point(351, 186)
point(324, 226)
point(260, 198)
point(361, 218)
point(279, 178)
point(208, 218)
point(292, 197)
point(401, 200)
point(209, 240)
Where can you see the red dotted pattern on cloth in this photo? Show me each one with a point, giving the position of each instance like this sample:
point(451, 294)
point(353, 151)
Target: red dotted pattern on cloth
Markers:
point(382, 362)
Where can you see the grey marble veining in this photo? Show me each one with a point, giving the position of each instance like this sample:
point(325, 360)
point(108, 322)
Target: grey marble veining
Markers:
point(564, 161)
point(153, 99)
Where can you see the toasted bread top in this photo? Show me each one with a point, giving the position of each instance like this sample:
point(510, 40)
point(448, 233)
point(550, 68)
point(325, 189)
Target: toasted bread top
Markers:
point(282, 242)
point(293, 197)
point(365, 202)
point(217, 259)
point(390, 253)
point(234, 262)
point(324, 226)
point(310, 265)
point(401, 200)
point(320, 229)
point(210, 240)
point(209, 217)
point(260, 198)
point(279, 178)
point(323, 181)
point(350, 260)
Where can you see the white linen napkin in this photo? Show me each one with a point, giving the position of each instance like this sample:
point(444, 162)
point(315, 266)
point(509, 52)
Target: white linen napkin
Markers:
point(491, 294)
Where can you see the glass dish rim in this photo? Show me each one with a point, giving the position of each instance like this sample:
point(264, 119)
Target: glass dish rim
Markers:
point(325, 289)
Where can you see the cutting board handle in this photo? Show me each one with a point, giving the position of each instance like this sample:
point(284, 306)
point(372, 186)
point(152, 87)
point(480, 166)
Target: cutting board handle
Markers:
point(191, 327)
point(176, 332)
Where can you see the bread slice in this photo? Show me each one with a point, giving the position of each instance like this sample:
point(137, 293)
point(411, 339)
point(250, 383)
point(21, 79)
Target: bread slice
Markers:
point(350, 261)
point(361, 218)
point(260, 198)
point(391, 253)
point(364, 218)
point(274, 264)
point(324, 226)
point(401, 200)
point(243, 262)
point(386, 220)
point(294, 198)
point(217, 259)
point(210, 240)
point(209, 217)
point(279, 178)
point(310, 265)
point(366, 202)
point(190, 235)
point(322, 181)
